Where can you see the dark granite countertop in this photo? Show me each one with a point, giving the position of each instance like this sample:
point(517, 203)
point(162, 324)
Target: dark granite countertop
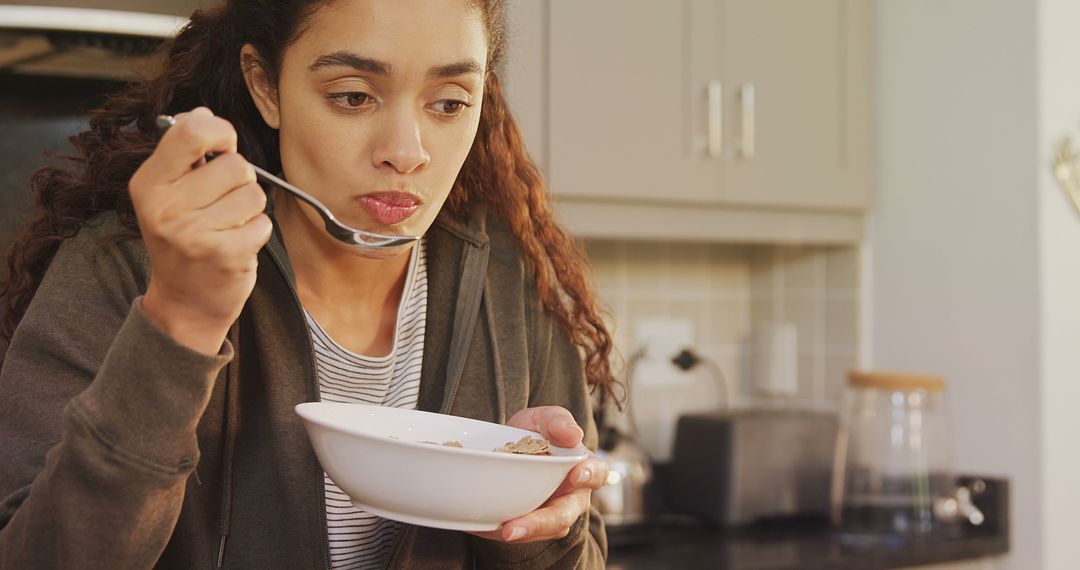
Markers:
point(809, 543)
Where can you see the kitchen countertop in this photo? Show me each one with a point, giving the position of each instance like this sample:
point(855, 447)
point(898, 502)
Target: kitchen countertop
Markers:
point(804, 544)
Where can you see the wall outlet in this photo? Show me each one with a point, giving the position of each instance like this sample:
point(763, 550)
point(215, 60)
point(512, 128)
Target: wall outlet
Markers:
point(659, 389)
point(662, 339)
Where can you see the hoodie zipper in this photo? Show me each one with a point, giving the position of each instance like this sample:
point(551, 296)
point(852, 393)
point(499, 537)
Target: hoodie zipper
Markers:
point(471, 316)
point(400, 542)
point(320, 484)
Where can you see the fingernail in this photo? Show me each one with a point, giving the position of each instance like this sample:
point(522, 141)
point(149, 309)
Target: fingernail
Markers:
point(584, 475)
point(515, 534)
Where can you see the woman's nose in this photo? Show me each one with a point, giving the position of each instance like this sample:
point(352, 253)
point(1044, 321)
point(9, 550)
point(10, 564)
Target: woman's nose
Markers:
point(401, 147)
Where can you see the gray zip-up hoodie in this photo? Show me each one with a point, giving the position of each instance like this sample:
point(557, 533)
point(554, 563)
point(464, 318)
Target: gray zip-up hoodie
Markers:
point(120, 448)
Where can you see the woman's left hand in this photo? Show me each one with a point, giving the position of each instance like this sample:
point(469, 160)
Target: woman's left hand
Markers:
point(553, 519)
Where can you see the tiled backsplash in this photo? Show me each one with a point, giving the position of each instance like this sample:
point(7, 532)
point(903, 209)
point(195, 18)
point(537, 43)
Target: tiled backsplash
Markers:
point(816, 289)
point(726, 291)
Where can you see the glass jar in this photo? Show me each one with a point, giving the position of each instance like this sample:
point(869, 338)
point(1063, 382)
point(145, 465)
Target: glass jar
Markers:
point(897, 483)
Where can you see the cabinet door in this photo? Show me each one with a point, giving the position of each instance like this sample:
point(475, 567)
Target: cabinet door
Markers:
point(624, 110)
point(807, 63)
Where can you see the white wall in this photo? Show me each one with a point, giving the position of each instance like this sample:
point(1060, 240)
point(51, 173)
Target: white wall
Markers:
point(954, 234)
point(1059, 283)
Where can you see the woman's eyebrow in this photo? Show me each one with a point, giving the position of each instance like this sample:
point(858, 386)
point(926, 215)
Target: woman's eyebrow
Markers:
point(374, 66)
point(350, 59)
point(465, 67)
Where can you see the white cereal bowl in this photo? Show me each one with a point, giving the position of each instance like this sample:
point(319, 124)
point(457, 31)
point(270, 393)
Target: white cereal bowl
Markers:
point(375, 455)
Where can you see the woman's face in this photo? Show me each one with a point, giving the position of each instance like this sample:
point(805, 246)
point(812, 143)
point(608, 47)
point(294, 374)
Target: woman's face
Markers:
point(377, 103)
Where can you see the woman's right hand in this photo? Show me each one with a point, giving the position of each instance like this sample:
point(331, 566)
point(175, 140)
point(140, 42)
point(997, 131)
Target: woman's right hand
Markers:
point(203, 225)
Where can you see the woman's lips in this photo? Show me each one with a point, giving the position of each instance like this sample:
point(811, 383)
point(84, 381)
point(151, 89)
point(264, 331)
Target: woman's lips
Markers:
point(390, 207)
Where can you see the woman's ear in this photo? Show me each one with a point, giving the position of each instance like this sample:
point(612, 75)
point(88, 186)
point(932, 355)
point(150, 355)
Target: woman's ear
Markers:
point(258, 83)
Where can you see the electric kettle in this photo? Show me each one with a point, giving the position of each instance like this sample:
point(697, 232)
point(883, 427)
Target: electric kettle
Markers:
point(621, 501)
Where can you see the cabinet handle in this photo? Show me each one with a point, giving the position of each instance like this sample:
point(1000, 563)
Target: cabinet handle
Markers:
point(746, 95)
point(716, 120)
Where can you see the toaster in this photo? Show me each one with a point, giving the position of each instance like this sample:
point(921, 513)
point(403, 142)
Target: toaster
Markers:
point(737, 467)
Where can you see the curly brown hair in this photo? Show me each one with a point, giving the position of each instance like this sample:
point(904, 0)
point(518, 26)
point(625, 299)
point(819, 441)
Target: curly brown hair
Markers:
point(202, 68)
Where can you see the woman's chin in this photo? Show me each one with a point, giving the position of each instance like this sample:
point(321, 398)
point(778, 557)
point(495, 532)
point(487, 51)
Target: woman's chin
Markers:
point(379, 254)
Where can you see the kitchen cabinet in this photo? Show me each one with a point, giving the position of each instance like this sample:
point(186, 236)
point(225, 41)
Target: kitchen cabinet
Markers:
point(171, 7)
point(808, 64)
point(747, 112)
point(620, 118)
point(176, 8)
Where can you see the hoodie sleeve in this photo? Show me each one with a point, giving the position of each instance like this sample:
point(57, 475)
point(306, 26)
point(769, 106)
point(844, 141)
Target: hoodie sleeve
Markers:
point(558, 366)
point(98, 411)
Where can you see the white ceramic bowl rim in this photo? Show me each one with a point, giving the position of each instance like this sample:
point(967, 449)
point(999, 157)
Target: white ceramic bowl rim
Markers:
point(569, 456)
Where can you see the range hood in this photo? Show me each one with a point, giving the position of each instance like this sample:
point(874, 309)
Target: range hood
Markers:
point(81, 42)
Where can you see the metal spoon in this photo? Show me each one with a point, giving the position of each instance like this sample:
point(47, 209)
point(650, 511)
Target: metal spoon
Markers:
point(351, 236)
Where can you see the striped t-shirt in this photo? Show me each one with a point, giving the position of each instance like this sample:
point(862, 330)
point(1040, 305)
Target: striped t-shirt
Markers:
point(358, 539)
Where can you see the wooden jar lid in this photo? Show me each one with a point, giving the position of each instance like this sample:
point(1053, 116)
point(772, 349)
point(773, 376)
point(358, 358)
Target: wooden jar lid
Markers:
point(889, 380)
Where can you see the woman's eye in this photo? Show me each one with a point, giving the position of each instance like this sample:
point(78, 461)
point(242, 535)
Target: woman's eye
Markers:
point(451, 107)
point(352, 100)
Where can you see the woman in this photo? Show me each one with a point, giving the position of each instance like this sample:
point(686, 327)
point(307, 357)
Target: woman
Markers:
point(146, 416)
